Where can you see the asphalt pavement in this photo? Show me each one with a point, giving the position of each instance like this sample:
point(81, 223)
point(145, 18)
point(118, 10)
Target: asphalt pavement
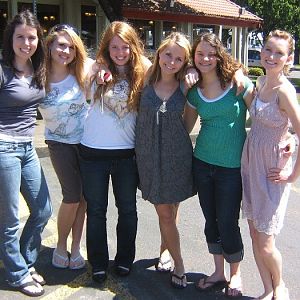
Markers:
point(144, 282)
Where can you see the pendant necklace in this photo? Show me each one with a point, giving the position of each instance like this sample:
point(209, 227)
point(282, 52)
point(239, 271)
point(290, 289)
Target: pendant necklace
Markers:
point(162, 109)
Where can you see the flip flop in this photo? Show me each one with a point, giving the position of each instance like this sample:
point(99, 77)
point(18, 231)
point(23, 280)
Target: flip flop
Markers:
point(238, 290)
point(37, 277)
point(182, 284)
point(22, 289)
point(79, 260)
point(163, 266)
point(65, 260)
point(212, 285)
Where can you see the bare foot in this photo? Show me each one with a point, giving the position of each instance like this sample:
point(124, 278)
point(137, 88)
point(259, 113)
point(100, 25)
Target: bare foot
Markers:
point(206, 282)
point(76, 261)
point(234, 288)
point(265, 296)
point(164, 263)
point(281, 293)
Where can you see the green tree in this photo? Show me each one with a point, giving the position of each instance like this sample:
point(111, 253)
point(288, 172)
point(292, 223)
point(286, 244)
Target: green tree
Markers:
point(277, 14)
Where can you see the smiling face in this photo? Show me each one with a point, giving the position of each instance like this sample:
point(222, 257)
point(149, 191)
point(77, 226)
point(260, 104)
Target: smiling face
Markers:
point(275, 54)
point(25, 42)
point(119, 51)
point(205, 57)
point(62, 49)
point(171, 58)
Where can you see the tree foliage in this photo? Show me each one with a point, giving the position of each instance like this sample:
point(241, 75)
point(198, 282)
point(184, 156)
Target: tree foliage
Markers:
point(277, 14)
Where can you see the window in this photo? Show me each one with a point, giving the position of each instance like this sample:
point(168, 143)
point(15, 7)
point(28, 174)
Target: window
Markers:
point(48, 15)
point(88, 28)
point(3, 19)
point(146, 32)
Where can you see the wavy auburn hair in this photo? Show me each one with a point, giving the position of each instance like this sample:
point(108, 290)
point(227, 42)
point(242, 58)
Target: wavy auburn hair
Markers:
point(136, 68)
point(226, 64)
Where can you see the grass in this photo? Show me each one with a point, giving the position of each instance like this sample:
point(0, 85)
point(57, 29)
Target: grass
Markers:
point(295, 82)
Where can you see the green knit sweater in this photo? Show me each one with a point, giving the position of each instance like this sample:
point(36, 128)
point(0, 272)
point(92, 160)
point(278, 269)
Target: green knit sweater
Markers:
point(222, 133)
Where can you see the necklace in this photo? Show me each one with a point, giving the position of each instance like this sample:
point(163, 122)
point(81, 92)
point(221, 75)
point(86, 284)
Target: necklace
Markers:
point(162, 109)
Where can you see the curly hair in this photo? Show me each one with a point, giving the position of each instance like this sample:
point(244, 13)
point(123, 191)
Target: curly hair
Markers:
point(176, 38)
point(226, 64)
point(281, 34)
point(38, 58)
point(136, 68)
point(77, 65)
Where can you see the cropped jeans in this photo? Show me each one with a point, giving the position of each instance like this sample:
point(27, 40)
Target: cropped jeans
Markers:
point(95, 178)
point(220, 194)
point(20, 171)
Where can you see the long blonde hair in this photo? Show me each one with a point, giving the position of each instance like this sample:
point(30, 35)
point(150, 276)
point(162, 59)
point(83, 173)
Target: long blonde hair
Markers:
point(281, 34)
point(136, 68)
point(76, 67)
point(176, 38)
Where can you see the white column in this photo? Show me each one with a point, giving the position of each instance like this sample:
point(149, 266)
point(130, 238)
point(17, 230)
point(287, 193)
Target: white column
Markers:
point(234, 42)
point(245, 46)
point(220, 31)
point(187, 28)
point(239, 44)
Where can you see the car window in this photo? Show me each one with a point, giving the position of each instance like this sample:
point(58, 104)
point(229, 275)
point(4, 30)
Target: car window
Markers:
point(253, 54)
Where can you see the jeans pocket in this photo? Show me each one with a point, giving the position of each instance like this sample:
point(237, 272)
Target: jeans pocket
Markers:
point(6, 147)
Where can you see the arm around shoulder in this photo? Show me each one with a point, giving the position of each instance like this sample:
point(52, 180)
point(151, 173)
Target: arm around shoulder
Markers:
point(289, 104)
point(190, 116)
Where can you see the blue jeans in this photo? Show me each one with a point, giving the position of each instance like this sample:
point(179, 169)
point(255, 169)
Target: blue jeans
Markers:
point(220, 193)
point(20, 170)
point(95, 178)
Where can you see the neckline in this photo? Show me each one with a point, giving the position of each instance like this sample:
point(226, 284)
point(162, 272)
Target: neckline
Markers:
point(205, 99)
point(165, 100)
point(263, 101)
point(63, 80)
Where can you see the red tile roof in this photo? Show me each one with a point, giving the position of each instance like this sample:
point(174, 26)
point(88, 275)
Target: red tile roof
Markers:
point(216, 9)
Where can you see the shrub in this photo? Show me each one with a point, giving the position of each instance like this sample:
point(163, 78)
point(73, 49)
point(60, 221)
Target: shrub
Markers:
point(255, 72)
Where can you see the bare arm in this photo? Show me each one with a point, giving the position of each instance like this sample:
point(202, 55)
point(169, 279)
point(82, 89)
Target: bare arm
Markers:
point(239, 79)
point(190, 116)
point(249, 97)
point(288, 103)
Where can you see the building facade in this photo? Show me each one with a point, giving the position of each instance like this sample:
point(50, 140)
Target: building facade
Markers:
point(153, 19)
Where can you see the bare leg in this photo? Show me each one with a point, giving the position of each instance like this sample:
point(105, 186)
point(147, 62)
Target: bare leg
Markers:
point(235, 284)
point(169, 232)
point(164, 262)
point(70, 216)
point(77, 228)
point(218, 275)
point(268, 260)
point(273, 261)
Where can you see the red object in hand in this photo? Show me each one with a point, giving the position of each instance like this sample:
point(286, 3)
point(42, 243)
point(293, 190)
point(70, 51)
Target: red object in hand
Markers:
point(106, 75)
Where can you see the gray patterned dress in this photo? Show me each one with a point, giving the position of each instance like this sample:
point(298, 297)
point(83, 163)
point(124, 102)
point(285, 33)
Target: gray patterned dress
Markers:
point(163, 149)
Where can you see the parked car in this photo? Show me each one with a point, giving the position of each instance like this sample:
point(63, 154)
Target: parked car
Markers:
point(254, 57)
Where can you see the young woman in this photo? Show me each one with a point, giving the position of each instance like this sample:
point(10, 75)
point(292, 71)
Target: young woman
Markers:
point(107, 149)
point(163, 146)
point(22, 88)
point(64, 109)
point(266, 168)
point(217, 157)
